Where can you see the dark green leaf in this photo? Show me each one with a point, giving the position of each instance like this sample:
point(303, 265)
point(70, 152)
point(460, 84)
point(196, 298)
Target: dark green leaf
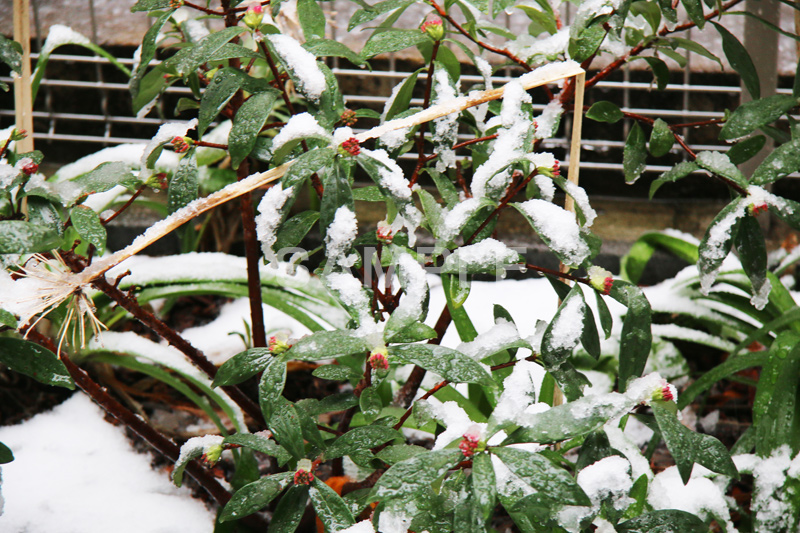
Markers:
point(484, 484)
point(148, 52)
point(327, 345)
point(270, 388)
point(775, 412)
point(752, 253)
point(369, 13)
point(335, 373)
point(312, 19)
point(695, 47)
point(43, 213)
point(248, 122)
point(414, 332)
point(679, 171)
point(660, 72)
point(740, 60)
point(392, 41)
point(260, 444)
point(19, 237)
point(242, 366)
point(717, 241)
point(400, 452)
point(360, 439)
point(688, 447)
point(87, 223)
point(781, 162)
point(7, 319)
point(220, 90)
point(633, 263)
point(185, 183)
point(370, 403)
point(667, 10)
point(664, 521)
point(293, 230)
point(151, 5)
point(588, 39)
point(412, 476)
point(186, 60)
point(252, 497)
point(661, 139)
point(543, 19)
point(604, 111)
point(695, 10)
point(635, 154)
point(307, 164)
point(6, 456)
point(370, 193)
point(446, 362)
point(11, 54)
point(330, 48)
point(285, 425)
point(718, 163)
point(290, 510)
point(104, 177)
point(331, 510)
point(746, 149)
point(542, 475)
point(34, 361)
point(636, 338)
point(337, 193)
point(753, 115)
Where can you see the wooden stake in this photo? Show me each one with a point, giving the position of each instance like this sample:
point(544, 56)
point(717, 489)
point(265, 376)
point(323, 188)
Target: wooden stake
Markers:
point(23, 105)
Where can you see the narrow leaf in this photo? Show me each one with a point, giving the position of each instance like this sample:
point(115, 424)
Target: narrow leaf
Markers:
point(248, 122)
point(634, 154)
point(34, 361)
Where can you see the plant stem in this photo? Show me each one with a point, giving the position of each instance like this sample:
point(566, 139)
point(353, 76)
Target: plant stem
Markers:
point(252, 251)
point(126, 205)
point(425, 104)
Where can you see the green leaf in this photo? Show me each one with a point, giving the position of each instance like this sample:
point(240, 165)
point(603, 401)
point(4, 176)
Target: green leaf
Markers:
point(484, 487)
point(752, 250)
point(664, 521)
point(220, 90)
point(392, 41)
point(545, 20)
point(740, 60)
point(34, 361)
point(695, 47)
point(188, 59)
point(147, 53)
point(636, 338)
point(746, 149)
point(331, 509)
point(750, 116)
point(6, 455)
point(330, 48)
point(679, 171)
point(242, 366)
point(370, 403)
point(327, 345)
point(295, 229)
point(335, 373)
point(667, 10)
point(11, 54)
point(661, 139)
point(412, 476)
point(775, 412)
point(717, 241)
point(151, 5)
point(688, 447)
point(694, 8)
point(307, 164)
point(369, 13)
point(542, 475)
point(337, 193)
point(605, 111)
point(451, 365)
point(43, 213)
point(360, 439)
point(634, 154)
point(247, 123)
point(102, 178)
point(270, 388)
point(588, 39)
point(399, 452)
point(406, 316)
point(634, 262)
point(290, 510)
point(87, 223)
point(781, 162)
point(660, 72)
point(719, 163)
point(414, 332)
point(559, 338)
point(285, 425)
point(260, 444)
point(312, 18)
point(253, 497)
point(19, 237)
point(185, 183)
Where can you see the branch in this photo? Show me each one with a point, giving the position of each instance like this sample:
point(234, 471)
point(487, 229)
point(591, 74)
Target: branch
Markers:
point(425, 104)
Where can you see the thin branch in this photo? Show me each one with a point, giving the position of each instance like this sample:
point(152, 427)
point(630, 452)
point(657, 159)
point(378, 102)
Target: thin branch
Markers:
point(424, 126)
point(463, 144)
point(125, 206)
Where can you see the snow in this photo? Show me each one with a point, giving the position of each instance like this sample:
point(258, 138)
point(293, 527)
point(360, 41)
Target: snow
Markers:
point(490, 179)
point(303, 65)
point(392, 177)
point(396, 138)
point(269, 218)
point(582, 202)
point(771, 501)
point(485, 344)
point(445, 129)
point(608, 479)
point(547, 122)
point(528, 47)
point(700, 496)
point(517, 403)
point(196, 445)
point(415, 288)
point(299, 126)
point(166, 132)
point(365, 526)
point(717, 235)
point(489, 254)
point(74, 472)
point(339, 238)
point(452, 417)
point(60, 35)
point(352, 294)
point(559, 227)
point(457, 217)
point(566, 330)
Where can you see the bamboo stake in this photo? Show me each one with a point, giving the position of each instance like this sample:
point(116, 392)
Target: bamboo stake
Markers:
point(23, 105)
point(572, 176)
point(536, 78)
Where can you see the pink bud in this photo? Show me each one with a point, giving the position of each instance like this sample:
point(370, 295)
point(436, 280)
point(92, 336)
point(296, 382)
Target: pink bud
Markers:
point(303, 477)
point(469, 444)
point(378, 361)
point(350, 147)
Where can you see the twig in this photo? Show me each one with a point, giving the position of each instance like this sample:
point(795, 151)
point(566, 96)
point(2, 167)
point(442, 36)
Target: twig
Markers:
point(425, 104)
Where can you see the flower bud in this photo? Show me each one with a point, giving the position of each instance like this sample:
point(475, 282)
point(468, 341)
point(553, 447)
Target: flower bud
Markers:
point(379, 361)
point(27, 166)
point(18, 135)
point(384, 232)
point(350, 147)
point(600, 279)
point(434, 28)
point(348, 118)
point(304, 474)
point(667, 393)
point(756, 209)
point(253, 16)
point(278, 343)
point(175, 4)
point(181, 144)
point(550, 172)
point(212, 454)
point(471, 442)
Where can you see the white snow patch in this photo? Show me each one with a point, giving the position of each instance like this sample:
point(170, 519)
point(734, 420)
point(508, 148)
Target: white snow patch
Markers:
point(559, 227)
point(302, 63)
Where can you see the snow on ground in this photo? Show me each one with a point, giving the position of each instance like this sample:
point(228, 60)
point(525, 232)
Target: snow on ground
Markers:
point(74, 472)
